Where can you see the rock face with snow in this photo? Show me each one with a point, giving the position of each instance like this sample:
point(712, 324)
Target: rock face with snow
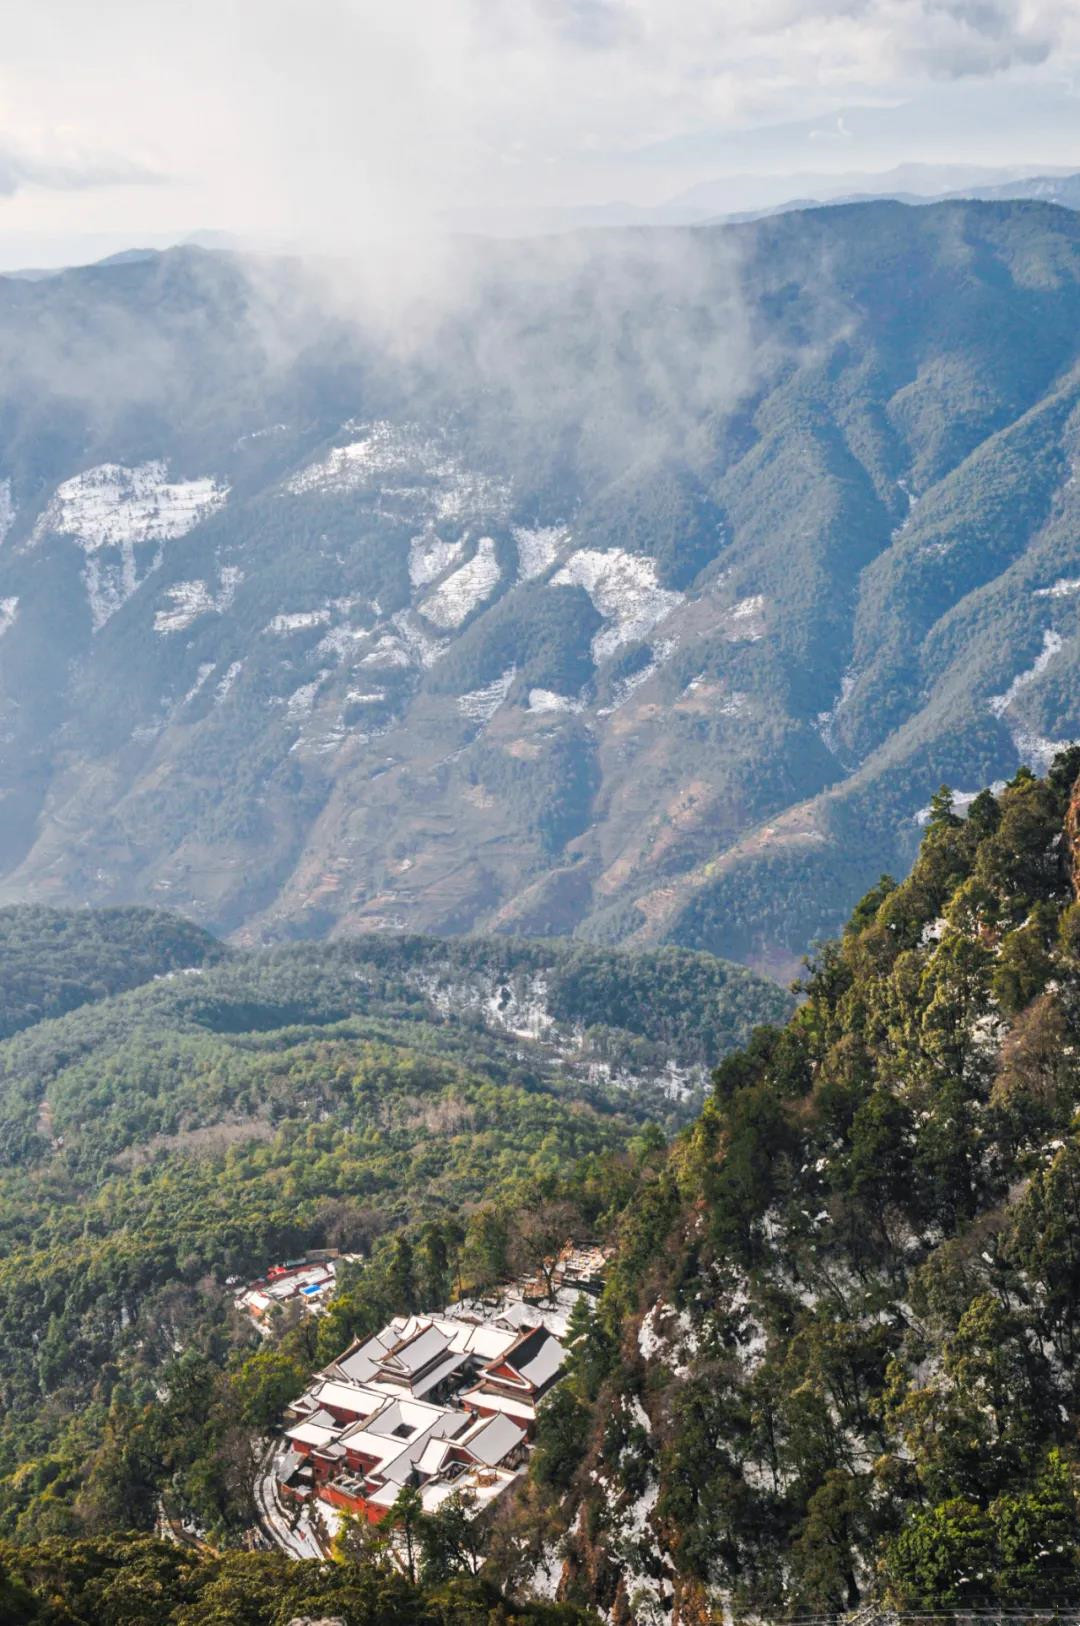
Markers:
point(545, 629)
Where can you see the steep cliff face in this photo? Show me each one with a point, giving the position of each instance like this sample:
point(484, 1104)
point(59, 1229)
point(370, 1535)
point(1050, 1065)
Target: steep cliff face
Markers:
point(838, 1354)
point(646, 598)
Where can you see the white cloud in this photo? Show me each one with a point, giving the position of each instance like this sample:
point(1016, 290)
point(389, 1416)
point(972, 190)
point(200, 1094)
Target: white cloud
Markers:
point(59, 167)
point(334, 119)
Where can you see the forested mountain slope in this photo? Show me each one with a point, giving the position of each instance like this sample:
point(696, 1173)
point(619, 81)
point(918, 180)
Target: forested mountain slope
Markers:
point(379, 1095)
point(52, 960)
point(643, 588)
point(838, 1356)
point(604, 1021)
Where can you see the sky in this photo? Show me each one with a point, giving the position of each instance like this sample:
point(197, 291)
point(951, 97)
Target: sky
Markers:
point(326, 123)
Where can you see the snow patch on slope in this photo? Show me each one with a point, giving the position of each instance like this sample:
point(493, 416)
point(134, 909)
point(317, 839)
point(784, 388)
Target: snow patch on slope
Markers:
point(111, 510)
point(301, 700)
point(455, 598)
point(429, 556)
point(387, 457)
point(190, 600)
point(482, 704)
point(625, 688)
point(402, 642)
point(649, 1341)
point(546, 700)
point(734, 704)
point(297, 621)
point(745, 621)
point(826, 720)
point(961, 801)
point(1037, 751)
point(639, 1414)
point(646, 1597)
point(518, 1006)
point(1064, 587)
point(420, 646)
point(387, 651)
point(110, 505)
point(386, 448)
point(7, 508)
point(200, 678)
point(668, 1335)
point(727, 702)
point(538, 548)
point(1032, 748)
point(1000, 703)
point(544, 1578)
point(467, 494)
point(260, 434)
point(230, 677)
point(624, 590)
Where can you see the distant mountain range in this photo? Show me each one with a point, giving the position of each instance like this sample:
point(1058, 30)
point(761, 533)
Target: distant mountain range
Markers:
point(1062, 189)
point(647, 595)
point(740, 197)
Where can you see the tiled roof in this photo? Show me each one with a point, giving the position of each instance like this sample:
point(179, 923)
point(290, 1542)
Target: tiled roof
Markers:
point(494, 1440)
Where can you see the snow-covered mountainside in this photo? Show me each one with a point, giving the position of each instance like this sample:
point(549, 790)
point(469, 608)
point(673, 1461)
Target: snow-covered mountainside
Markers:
point(642, 612)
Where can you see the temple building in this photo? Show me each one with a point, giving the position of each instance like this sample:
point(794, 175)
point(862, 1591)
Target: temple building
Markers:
point(443, 1403)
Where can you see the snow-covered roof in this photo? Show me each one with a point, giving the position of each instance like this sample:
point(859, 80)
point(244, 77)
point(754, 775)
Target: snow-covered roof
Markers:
point(491, 1400)
point(511, 1312)
point(396, 1439)
point(349, 1397)
point(484, 1340)
point(433, 1456)
point(413, 1415)
point(536, 1356)
point(544, 1365)
point(362, 1363)
point(430, 1380)
point(306, 1404)
point(310, 1434)
point(382, 1448)
point(321, 1418)
point(493, 1439)
point(416, 1351)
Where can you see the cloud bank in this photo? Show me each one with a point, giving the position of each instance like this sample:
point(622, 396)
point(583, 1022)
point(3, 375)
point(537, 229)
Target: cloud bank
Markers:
point(68, 170)
point(333, 121)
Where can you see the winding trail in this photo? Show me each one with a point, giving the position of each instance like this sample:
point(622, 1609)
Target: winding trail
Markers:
point(297, 1543)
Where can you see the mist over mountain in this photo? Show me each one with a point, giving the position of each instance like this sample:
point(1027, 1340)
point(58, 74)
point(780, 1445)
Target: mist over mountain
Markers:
point(635, 585)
